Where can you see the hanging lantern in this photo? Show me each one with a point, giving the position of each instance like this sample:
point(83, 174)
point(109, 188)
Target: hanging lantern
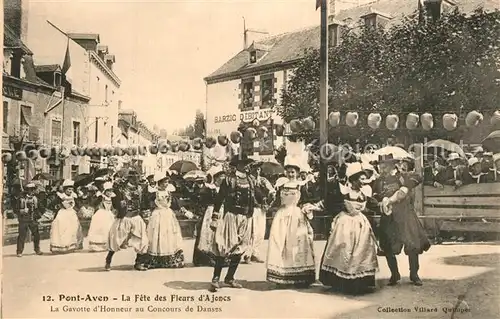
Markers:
point(33, 154)
point(142, 150)
point(412, 121)
point(334, 119)
point(263, 132)
point(280, 130)
point(374, 120)
point(450, 121)
point(21, 156)
point(44, 152)
point(197, 143)
point(118, 151)
point(184, 147)
point(163, 147)
point(256, 122)
point(88, 151)
point(474, 118)
point(495, 118)
point(174, 147)
point(309, 124)
point(222, 140)
point(251, 133)
point(296, 125)
point(74, 151)
point(153, 149)
point(392, 122)
point(6, 157)
point(235, 137)
point(351, 119)
point(210, 142)
point(110, 151)
point(96, 151)
point(427, 121)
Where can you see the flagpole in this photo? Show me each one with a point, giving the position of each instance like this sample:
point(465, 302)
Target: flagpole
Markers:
point(323, 103)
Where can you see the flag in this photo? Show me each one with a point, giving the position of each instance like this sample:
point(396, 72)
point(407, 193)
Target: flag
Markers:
point(67, 61)
point(318, 4)
point(66, 72)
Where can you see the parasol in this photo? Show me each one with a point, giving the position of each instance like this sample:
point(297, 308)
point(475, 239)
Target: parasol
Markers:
point(102, 172)
point(445, 145)
point(83, 179)
point(194, 175)
point(182, 167)
point(397, 152)
point(271, 168)
point(44, 176)
point(492, 142)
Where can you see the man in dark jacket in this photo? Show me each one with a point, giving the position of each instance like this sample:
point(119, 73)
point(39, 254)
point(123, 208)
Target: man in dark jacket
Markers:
point(27, 210)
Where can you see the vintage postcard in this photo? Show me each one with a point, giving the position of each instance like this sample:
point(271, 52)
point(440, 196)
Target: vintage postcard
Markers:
point(251, 159)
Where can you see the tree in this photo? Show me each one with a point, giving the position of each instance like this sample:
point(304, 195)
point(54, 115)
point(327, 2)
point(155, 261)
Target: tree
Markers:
point(199, 124)
point(450, 65)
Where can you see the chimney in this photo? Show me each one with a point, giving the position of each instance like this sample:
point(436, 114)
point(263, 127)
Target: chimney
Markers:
point(16, 17)
point(119, 104)
point(331, 7)
point(110, 60)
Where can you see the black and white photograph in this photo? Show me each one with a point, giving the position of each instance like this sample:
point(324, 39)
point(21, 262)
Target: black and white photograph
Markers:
point(335, 159)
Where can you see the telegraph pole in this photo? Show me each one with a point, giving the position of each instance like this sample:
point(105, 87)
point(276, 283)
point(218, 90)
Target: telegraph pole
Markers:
point(323, 102)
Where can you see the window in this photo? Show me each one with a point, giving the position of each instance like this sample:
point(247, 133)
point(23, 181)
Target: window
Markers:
point(5, 116)
point(253, 56)
point(57, 79)
point(96, 129)
point(25, 120)
point(267, 92)
point(76, 133)
point(266, 143)
point(433, 9)
point(333, 35)
point(247, 95)
point(106, 93)
point(56, 131)
point(74, 171)
point(371, 21)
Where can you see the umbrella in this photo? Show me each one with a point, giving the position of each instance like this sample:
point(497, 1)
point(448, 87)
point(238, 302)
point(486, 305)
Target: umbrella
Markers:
point(397, 152)
point(492, 142)
point(83, 179)
point(194, 175)
point(446, 145)
point(182, 167)
point(45, 176)
point(102, 172)
point(271, 168)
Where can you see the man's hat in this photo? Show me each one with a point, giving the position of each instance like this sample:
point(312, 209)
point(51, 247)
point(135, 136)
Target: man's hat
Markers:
point(30, 185)
point(68, 183)
point(150, 177)
point(240, 160)
point(386, 158)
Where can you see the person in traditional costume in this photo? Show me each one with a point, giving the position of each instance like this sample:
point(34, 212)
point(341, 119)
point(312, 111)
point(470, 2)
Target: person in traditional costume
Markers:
point(233, 227)
point(66, 232)
point(128, 229)
point(475, 173)
point(349, 261)
point(85, 201)
point(27, 210)
point(164, 232)
point(102, 220)
point(494, 173)
point(203, 197)
point(264, 194)
point(399, 224)
point(290, 257)
point(148, 196)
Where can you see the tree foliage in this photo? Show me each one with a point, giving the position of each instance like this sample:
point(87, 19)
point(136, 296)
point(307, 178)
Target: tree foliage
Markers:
point(199, 124)
point(451, 65)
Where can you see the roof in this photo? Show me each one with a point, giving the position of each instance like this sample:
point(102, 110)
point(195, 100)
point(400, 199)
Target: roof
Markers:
point(290, 47)
point(12, 40)
point(47, 68)
point(84, 36)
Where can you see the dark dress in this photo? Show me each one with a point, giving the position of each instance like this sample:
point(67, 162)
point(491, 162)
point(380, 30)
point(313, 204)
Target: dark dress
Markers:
point(201, 199)
point(402, 228)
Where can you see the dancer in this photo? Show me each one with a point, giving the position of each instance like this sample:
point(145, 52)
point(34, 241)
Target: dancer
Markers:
point(290, 259)
point(28, 213)
point(164, 231)
point(233, 230)
point(102, 220)
point(399, 225)
point(349, 261)
point(66, 232)
point(128, 229)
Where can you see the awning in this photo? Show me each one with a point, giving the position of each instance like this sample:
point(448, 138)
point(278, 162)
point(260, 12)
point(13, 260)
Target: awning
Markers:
point(26, 114)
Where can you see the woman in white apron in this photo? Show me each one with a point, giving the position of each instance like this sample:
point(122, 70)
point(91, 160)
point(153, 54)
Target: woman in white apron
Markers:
point(290, 259)
point(164, 231)
point(102, 220)
point(66, 232)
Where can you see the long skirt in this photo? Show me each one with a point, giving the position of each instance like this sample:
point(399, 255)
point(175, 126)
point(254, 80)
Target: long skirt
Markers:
point(350, 261)
point(290, 258)
point(66, 232)
point(128, 232)
point(258, 232)
point(99, 230)
point(232, 236)
point(204, 239)
point(165, 240)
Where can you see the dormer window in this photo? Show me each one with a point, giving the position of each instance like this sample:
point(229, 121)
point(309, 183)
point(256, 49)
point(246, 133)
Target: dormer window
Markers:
point(375, 19)
point(433, 9)
point(334, 34)
point(57, 79)
point(253, 56)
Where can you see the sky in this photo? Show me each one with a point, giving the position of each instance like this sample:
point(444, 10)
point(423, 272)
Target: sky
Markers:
point(164, 49)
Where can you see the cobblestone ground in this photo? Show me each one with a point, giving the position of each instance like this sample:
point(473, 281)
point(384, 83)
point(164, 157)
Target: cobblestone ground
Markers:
point(448, 271)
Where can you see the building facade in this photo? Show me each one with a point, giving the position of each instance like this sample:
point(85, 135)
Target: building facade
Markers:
point(242, 93)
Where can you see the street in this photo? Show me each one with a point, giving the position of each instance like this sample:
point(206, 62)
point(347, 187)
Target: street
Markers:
point(448, 271)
